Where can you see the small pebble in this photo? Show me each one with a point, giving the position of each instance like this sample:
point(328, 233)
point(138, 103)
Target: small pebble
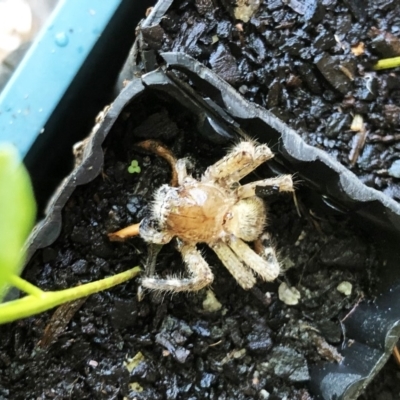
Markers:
point(394, 169)
point(80, 267)
point(245, 9)
point(345, 288)
point(93, 363)
point(288, 295)
point(286, 362)
point(131, 363)
point(136, 387)
point(239, 354)
point(211, 303)
point(207, 380)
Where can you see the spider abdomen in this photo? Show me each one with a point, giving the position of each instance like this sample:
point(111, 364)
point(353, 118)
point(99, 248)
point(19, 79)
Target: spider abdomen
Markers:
point(247, 218)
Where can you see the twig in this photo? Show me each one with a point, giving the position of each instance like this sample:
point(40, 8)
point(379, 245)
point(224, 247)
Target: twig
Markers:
point(354, 307)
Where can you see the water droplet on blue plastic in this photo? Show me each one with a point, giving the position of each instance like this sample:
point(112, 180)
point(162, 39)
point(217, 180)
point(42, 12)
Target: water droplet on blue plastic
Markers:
point(61, 39)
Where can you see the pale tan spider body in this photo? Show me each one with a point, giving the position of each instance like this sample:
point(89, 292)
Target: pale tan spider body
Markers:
point(198, 212)
point(194, 212)
point(219, 212)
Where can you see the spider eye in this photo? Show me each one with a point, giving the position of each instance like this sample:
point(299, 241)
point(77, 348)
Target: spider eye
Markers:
point(151, 231)
point(234, 186)
point(149, 224)
point(266, 191)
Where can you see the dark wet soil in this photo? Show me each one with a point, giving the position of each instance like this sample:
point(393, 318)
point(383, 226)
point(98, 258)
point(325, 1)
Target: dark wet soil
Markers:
point(310, 63)
point(253, 346)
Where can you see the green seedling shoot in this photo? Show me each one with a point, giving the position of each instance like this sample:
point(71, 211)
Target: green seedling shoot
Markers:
point(387, 63)
point(134, 167)
point(17, 216)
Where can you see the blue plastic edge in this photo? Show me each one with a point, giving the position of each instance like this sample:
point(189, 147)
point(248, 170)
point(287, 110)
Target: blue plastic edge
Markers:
point(49, 67)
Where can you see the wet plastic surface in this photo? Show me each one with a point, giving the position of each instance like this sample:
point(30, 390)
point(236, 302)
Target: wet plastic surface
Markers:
point(66, 77)
point(55, 58)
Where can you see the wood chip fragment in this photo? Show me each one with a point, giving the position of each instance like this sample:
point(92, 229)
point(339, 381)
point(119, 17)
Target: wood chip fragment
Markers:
point(359, 139)
point(325, 350)
point(347, 72)
point(396, 355)
point(385, 43)
point(358, 49)
point(59, 321)
point(357, 146)
point(384, 139)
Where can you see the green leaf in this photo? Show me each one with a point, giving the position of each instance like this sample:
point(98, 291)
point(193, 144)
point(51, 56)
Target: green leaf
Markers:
point(17, 213)
point(134, 167)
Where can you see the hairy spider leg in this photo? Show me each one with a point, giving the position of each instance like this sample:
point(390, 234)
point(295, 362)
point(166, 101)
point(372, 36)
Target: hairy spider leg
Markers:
point(181, 170)
point(125, 233)
point(266, 265)
point(283, 183)
point(156, 147)
point(239, 271)
point(244, 158)
point(201, 274)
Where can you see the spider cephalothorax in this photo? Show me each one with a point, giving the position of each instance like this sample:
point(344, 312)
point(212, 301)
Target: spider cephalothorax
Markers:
point(218, 211)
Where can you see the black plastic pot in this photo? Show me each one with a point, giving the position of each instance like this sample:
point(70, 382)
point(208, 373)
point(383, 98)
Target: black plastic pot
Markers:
point(222, 114)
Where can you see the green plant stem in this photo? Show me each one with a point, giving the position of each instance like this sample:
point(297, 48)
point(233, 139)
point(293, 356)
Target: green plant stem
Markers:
point(25, 286)
point(34, 304)
point(387, 63)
